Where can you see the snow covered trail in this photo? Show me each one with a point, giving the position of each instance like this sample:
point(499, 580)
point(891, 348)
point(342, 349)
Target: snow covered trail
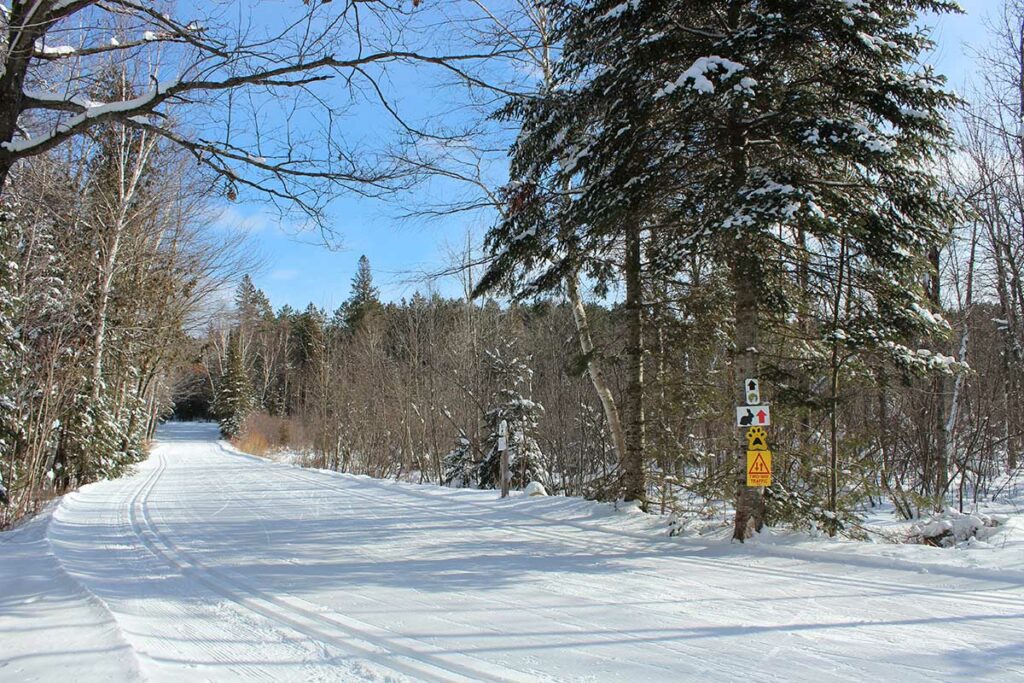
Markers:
point(220, 566)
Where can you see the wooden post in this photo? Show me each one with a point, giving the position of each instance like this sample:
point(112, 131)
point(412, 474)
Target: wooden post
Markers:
point(503, 452)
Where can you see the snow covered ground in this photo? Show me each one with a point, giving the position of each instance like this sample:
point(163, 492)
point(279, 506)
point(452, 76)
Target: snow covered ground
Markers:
point(211, 565)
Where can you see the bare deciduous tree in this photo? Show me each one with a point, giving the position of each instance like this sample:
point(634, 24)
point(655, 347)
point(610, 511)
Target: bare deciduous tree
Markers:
point(261, 102)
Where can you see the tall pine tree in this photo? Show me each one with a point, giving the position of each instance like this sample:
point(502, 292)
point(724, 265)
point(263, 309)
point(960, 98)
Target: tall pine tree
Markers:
point(234, 401)
point(756, 132)
point(365, 298)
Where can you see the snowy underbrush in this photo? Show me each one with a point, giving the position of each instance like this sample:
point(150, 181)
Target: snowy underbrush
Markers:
point(289, 457)
point(952, 528)
point(987, 540)
point(993, 520)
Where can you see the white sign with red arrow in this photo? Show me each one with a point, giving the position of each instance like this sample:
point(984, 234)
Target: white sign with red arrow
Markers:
point(753, 416)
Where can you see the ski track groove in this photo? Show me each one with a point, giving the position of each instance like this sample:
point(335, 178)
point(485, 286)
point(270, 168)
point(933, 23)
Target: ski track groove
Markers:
point(854, 668)
point(851, 669)
point(141, 556)
point(982, 595)
point(221, 653)
point(570, 624)
point(325, 480)
point(219, 598)
point(505, 603)
point(286, 612)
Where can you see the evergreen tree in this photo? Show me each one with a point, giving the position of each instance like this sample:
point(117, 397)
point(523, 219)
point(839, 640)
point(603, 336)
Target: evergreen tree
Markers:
point(459, 468)
point(234, 401)
point(310, 338)
point(91, 437)
point(251, 303)
point(11, 350)
point(364, 300)
point(512, 375)
point(756, 132)
point(46, 319)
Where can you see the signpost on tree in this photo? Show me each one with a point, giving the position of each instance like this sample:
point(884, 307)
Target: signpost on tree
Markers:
point(759, 458)
point(753, 416)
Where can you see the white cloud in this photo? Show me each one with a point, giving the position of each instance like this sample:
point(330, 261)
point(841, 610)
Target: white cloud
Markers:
point(231, 218)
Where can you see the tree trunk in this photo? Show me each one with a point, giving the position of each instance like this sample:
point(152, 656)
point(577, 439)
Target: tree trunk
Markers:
point(17, 55)
point(949, 428)
point(604, 393)
point(105, 281)
point(835, 366)
point(745, 277)
point(940, 459)
point(632, 465)
point(745, 271)
point(5, 170)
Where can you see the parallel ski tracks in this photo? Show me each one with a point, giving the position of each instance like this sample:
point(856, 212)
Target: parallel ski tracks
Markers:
point(611, 636)
point(842, 666)
point(685, 654)
point(200, 588)
point(400, 654)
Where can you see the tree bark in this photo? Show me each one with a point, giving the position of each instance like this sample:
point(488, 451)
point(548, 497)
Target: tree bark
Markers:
point(632, 465)
point(835, 368)
point(131, 164)
point(12, 79)
point(594, 369)
point(940, 457)
point(745, 274)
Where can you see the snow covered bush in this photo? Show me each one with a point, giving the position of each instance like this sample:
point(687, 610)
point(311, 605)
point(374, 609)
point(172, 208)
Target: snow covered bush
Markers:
point(786, 507)
point(10, 346)
point(235, 400)
point(535, 488)
point(460, 471)
point(951, 528)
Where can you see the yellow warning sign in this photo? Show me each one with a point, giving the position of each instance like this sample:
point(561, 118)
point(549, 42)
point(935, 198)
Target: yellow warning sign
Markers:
point(759, 468)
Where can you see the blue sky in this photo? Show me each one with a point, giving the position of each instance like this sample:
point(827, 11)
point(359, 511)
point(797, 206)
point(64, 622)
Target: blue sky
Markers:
point(299, 269)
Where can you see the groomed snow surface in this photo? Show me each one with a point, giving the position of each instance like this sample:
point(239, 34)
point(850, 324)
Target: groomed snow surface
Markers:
point(211, 565)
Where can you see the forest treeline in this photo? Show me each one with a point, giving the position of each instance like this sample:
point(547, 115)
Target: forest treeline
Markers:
point(791, 196)
point(107, 261)
point(416, 390)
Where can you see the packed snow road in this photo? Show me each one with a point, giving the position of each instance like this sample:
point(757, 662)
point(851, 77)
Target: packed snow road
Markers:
point(211, 565)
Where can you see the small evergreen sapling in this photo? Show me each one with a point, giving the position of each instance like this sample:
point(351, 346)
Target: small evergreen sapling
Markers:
point(460, 470)
point(511, 375)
